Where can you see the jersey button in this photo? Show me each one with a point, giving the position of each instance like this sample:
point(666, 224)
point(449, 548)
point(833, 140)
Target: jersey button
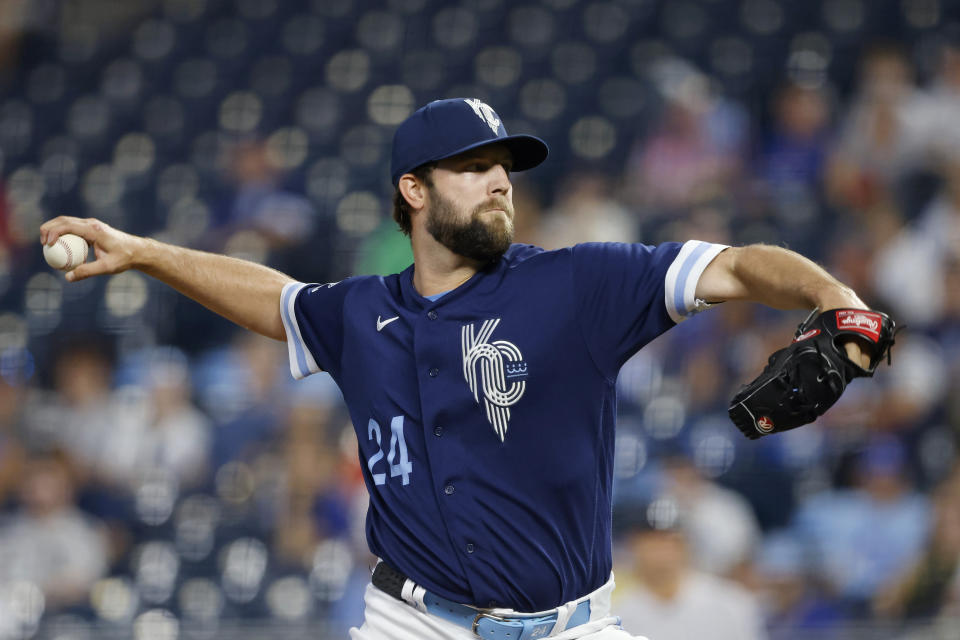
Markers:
point(469, 547)
point(434, 372)
point(432, 314)
point(438, 431)
point(449, 489)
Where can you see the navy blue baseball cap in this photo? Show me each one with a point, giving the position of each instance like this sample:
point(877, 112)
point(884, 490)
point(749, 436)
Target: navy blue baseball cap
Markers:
point(444, 128)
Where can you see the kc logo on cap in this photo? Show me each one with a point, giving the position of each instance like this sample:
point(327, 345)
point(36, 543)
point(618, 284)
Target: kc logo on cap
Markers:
point(445, 128)
point(485, 112)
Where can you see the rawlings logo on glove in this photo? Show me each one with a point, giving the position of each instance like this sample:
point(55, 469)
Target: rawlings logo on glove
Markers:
point(865, 322)
point(803, 380)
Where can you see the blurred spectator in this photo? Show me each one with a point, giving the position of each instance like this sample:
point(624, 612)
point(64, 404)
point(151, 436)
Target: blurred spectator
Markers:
point(695, 149)
point(260, 203)
point(936, 120)
point(317, 498)
point(246, 395)
point(13, 19)
point(703, 375)
point(170, 435)
point(121, 436)
point(324, 504)
point(947, 336)
point(792, 600)
point(48, 541)
point(861, 538)
point(905, 398)
point(709, 221)
point(585, 212)
point(264, 219)
point(879, 143)
point(851, 258)
point(84, 412)
point(11, 448)
point(909, 272)
point(6, 241)
point(930, 586)
point(663, 597)
point(720, 526)
point(793, 154)
point(792, 160)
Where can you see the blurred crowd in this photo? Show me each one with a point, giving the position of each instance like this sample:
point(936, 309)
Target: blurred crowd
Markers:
point(160, 470)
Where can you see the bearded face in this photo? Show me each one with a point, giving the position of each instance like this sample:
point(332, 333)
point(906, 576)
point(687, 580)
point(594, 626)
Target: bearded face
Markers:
point(481, 236)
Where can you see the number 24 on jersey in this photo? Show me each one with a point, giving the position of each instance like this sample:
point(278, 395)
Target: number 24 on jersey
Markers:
point(402, 467)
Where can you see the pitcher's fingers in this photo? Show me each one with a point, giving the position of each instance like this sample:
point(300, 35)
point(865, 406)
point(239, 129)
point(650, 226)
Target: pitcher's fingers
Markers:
point(87, 270)
point(857, 354)
point(53, 229)
point(54, 226)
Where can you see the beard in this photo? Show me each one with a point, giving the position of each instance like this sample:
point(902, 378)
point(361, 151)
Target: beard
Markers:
point(484, 241)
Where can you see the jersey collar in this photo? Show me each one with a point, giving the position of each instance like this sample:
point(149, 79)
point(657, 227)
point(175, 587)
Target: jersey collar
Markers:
point(413, 298)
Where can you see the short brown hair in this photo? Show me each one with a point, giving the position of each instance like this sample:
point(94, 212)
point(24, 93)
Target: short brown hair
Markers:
point(401, 208)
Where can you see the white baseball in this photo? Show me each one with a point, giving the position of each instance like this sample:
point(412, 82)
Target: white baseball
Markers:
point(68, 252)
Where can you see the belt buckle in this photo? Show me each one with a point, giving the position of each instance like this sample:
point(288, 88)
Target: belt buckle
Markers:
point(519, 625)
point(484, 614)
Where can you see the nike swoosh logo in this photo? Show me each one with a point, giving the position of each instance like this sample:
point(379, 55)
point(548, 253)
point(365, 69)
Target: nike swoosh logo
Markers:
point(329, 285)
point(382, 323)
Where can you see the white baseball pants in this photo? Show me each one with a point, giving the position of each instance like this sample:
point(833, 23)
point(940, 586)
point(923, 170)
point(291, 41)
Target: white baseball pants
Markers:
point(386, 618)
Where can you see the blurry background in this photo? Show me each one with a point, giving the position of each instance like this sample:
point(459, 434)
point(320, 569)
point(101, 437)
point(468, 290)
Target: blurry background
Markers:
point(162, 477)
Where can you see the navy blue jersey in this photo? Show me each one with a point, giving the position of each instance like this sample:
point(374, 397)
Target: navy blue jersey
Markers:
point(485, 418)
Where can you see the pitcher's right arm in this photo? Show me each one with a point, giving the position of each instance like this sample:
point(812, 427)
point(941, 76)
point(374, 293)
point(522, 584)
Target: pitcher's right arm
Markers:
point(245, 293)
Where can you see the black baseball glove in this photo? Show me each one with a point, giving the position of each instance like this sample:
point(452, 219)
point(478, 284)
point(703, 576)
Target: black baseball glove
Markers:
point(803, 380)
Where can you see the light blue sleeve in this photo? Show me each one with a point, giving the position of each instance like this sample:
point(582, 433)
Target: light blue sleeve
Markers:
point(302, 362)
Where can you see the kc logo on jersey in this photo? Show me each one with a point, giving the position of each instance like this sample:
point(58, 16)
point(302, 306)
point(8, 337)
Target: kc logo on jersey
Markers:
point(485, 112)
point(495, 368)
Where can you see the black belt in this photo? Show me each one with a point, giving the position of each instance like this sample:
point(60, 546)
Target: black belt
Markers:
point(388, 580)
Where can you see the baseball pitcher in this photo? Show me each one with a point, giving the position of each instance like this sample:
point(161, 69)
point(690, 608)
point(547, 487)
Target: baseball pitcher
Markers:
point(481, 380)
